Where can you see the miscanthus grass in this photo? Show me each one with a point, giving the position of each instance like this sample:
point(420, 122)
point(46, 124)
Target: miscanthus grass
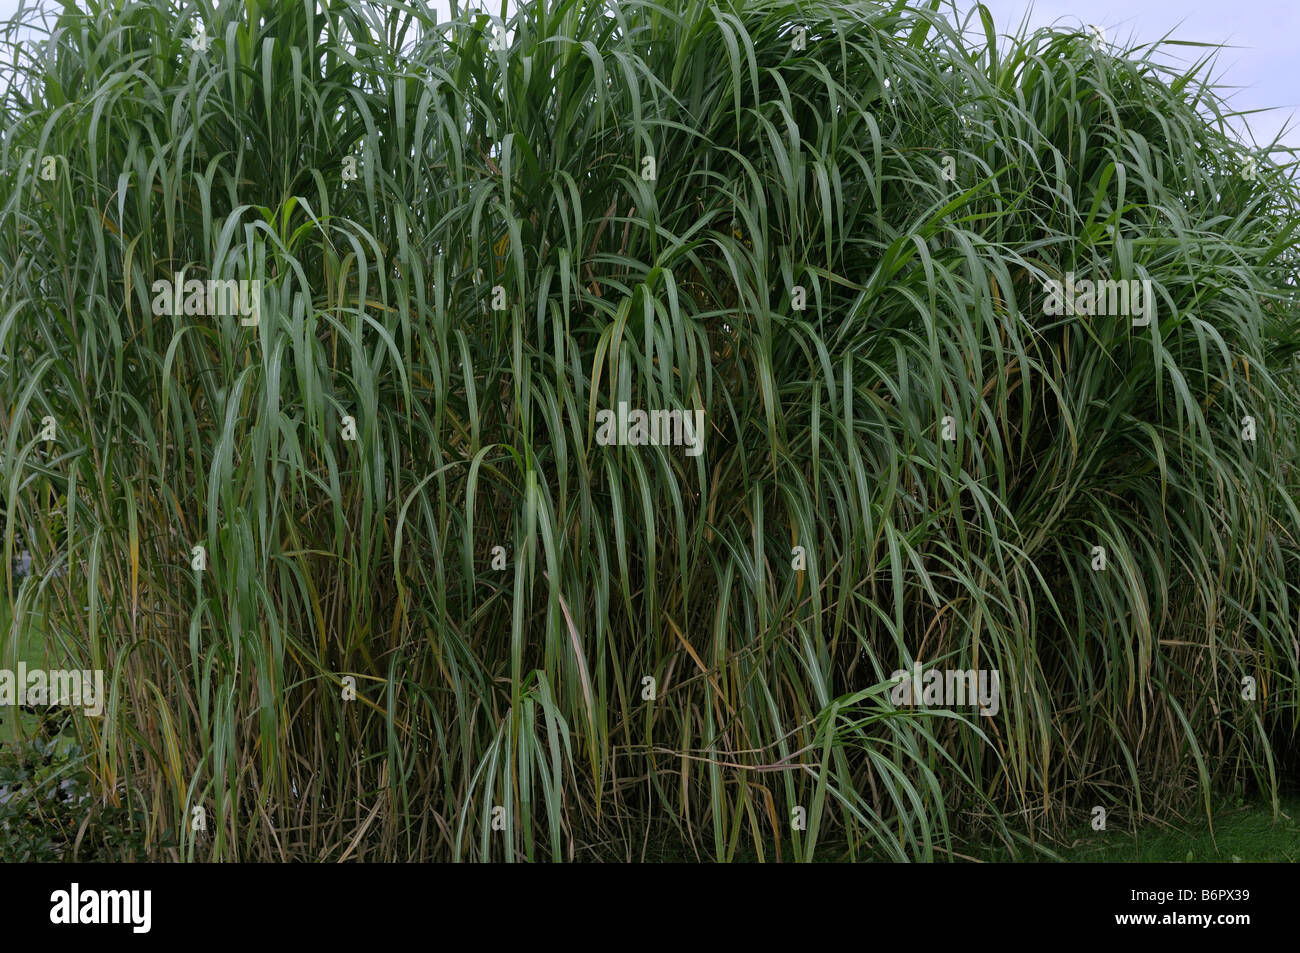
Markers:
point(364, 582)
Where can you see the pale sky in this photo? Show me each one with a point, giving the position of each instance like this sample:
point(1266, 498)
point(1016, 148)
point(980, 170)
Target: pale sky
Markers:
point(1263, 66)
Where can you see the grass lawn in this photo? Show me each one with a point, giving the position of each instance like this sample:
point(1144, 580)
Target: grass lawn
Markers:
point(26, 646)
point(1245, 834)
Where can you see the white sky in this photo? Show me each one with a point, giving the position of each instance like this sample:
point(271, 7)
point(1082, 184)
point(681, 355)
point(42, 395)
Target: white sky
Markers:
point(1263, 65)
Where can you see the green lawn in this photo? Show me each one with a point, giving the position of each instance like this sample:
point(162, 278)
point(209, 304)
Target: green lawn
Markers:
point(1244, 833)
point(27, 646)
point(1241, 834)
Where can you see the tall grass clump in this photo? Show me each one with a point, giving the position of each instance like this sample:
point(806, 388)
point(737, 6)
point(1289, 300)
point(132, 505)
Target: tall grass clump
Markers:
point(435, 618)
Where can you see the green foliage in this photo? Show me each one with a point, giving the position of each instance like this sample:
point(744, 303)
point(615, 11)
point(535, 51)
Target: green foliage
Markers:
point(1246, 833)
point(522, 168)
point(48, 808)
